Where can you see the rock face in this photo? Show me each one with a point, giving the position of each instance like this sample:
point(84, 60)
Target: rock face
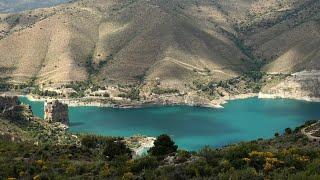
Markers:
point(54, 111)
point(303, 85)
point(8, 102)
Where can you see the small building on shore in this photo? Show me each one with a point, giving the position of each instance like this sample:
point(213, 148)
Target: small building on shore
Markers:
point(55, 111)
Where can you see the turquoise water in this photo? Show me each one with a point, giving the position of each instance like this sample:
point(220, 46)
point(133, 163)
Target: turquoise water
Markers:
point(37, 106)
point(195, 127)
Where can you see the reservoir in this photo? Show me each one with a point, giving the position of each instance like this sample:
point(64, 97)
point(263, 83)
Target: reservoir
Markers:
point(193, 127)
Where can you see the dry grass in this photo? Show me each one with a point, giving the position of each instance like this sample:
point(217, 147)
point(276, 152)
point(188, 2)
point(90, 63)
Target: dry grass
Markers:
point(130, 41)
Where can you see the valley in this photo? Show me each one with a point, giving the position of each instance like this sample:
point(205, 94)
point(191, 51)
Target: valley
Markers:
point(159, 89)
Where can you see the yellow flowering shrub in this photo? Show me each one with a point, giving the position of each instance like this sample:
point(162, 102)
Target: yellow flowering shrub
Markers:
point(37, 177)
point(105, 170)
point(71, 169)
point(22, 173)
point(261, 154)
point(265, 160)
point(128, 176)
point(40, 162)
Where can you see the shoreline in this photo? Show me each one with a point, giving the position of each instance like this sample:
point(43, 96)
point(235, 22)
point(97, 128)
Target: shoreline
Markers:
point(217, 103)
point(278, 96)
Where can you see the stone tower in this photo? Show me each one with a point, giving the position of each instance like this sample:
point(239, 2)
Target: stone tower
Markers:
point(55, 111)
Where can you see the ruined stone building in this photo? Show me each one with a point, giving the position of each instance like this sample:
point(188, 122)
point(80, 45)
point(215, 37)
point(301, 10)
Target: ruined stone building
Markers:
point(55, 111)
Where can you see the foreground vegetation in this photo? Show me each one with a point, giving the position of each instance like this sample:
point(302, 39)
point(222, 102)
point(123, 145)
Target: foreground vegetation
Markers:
point(287, 156)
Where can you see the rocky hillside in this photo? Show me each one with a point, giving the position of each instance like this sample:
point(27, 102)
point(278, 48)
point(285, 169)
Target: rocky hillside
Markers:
point(302, 85)
point(179, 41)
point(18, 124)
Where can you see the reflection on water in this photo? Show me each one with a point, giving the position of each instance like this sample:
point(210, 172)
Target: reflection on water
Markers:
point(73, 124)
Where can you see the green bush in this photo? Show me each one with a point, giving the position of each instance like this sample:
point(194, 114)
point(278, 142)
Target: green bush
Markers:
point(255, 75)
point(144, 163)
point(163, 145)
point(113, 148)
point(199, 169)
point(242, 174)
point(212, 156)
point(182, 156)
point(89, 141)
point(236, 154)
point(288, 131)
point(133, 94)
point(158, 90)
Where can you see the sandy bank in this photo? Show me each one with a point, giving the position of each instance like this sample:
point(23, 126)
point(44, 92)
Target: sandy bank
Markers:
point(217, 103)
point(288, 96)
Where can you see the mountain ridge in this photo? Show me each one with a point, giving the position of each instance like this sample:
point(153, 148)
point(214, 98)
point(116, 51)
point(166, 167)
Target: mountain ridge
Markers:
point(136, 41)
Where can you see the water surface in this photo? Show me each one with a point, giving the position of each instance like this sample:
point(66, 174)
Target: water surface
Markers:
point(195, 127)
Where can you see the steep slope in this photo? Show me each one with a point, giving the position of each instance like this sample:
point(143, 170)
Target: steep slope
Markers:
point(122, 42)
point(48, 45)
point(178, 41)
point(166, 42)
point(285, 35)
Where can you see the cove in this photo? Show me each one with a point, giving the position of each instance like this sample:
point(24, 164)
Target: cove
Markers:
point(194, 127)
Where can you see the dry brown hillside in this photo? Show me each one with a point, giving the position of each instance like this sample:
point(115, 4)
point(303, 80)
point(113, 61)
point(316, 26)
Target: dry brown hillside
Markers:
point(130, 41)
point(284, 33)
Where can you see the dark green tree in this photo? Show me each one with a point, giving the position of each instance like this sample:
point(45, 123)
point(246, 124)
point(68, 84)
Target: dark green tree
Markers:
point(163, 145)
point(288, 131)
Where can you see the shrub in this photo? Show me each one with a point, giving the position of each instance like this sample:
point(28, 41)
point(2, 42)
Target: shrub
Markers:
point(133, 94)
point(288, 131)
point(255, 75)
point(235, 154)
point(128, 176)
point(113, 148)
point(198, 169)
point(313, 168)
point(163, 145)
point(89, 141)
point(105, 171)
point(144, 163)
point(159, 90)
point(243, 174)
point(211, 155)
point(182, 156)
point(71, 170)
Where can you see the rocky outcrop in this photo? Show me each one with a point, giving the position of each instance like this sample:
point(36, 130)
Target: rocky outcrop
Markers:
point(56, 111)
point(139, 144)
point(8, 102)
point(11, 107)
point(303, 85)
